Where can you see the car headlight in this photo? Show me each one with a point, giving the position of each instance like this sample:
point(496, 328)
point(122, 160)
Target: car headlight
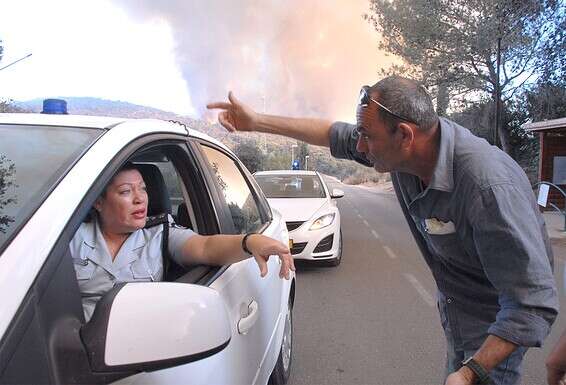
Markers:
point(323, 221)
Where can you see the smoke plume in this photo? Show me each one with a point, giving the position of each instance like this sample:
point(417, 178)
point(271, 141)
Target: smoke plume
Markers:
point(292, 57)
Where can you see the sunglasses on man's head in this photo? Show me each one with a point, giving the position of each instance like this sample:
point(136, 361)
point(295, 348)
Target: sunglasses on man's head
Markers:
point(365, 99)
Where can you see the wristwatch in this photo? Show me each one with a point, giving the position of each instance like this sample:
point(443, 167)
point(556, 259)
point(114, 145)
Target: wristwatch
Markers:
point(482, 375)
point(245, 244)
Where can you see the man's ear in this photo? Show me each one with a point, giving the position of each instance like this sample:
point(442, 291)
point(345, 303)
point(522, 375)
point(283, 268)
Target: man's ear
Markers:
point(406, 134)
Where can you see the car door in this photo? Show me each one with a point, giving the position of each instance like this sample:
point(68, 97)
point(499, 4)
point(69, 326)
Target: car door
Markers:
point(253, 303)
point(42, 343)
point(246, 292)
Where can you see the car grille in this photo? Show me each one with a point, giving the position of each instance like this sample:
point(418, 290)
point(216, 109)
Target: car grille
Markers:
point(298, 248)
point(294, 225)
point(325, 244)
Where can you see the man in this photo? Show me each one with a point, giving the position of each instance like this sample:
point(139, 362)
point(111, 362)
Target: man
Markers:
point(471, 210)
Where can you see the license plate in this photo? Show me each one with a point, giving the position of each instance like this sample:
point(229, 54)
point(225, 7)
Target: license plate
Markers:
point(290, 243)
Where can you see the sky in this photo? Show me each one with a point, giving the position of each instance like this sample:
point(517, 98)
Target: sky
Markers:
point(292, 57)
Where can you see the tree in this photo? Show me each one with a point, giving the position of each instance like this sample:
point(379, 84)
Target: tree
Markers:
point(1, 50)
point(7, 182)
point(250, 155)
point(452, 45)
point(546, 101)
point(7, 105)
point(303, 151)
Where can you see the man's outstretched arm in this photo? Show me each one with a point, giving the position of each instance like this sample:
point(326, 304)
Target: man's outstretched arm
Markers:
point(236, 116)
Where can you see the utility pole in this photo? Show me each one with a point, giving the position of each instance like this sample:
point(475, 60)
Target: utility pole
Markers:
point(263, 138)
point(497, 76)
point(497, 93)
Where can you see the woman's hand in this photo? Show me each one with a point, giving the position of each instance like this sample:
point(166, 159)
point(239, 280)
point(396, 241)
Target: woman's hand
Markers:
point(262, 247)
point(235, 116)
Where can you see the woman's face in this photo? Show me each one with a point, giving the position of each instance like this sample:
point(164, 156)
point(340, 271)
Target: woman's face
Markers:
point(123, 208)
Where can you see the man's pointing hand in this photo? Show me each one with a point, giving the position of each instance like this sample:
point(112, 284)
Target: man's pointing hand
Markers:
point(235, 116)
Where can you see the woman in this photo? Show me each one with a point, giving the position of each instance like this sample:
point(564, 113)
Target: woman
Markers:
point(115, 247)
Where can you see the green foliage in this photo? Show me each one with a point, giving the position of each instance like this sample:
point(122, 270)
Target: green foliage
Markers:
point(7, 105)
point(540, 102)
point(546, 101)
point(451, 46)
point(7, 181)
point(1, 50)
point(251, 156)
point(453, 43)
point(303, 151)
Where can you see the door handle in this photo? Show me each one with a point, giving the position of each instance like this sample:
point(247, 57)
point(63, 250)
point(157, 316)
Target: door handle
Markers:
point(246, 323)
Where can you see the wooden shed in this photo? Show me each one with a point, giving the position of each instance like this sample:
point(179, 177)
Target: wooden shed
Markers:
point(552, 156)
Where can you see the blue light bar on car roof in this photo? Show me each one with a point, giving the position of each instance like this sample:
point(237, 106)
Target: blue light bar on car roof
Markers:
point(54, 106)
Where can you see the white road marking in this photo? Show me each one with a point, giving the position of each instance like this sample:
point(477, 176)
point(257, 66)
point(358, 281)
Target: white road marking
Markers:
point(390, 252)
point(366, 223)
point(425, 295)
point(359, 216)
point(375, 234)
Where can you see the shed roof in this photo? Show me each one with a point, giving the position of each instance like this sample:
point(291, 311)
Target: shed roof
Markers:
point(546, 125)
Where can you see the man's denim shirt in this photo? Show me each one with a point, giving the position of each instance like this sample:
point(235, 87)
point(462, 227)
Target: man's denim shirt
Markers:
point(480, 231)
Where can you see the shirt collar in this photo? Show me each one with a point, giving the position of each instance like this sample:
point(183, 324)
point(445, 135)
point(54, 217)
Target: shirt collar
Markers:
point(93, 238)
point(443, 175)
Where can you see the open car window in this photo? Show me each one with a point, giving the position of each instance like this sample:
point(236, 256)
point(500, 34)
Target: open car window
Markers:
point(166, 191)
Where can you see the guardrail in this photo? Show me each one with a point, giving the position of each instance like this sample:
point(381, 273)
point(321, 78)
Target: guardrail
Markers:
point(543, 198)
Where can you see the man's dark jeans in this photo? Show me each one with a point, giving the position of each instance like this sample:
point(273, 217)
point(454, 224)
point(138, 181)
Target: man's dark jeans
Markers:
point(507, 372)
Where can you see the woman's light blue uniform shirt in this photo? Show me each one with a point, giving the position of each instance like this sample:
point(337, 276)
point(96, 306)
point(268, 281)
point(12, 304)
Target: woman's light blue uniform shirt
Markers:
point(138, 260)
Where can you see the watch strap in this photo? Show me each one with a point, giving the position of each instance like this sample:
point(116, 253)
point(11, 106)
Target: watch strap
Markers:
point(244, 243)
point(481, 374)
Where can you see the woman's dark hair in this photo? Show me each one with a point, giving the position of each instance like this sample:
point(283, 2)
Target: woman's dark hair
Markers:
point(125, 167)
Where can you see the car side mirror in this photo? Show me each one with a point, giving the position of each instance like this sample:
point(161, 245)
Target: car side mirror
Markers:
point(147, 326)
point(336, 193)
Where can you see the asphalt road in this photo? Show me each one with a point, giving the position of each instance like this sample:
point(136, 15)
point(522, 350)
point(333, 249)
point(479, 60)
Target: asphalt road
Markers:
point(373, 319)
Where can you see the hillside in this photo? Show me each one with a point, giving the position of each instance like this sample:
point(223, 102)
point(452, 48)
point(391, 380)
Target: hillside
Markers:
point(276, 150)
point(103, 107)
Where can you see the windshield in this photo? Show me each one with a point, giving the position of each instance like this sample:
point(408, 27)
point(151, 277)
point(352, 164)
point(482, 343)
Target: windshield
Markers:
point(291, 186)
point(32, 161)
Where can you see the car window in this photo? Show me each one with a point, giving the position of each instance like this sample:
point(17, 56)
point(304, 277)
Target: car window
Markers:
point(291, 186)
point(32, 161)
point(173, 184)
point(172, 198)
point(237, 193)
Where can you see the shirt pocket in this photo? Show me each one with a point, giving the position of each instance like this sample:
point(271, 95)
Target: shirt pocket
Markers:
point(143, 271)
point(448, 246)
point(83, 268)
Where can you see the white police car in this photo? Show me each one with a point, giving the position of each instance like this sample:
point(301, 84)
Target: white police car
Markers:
point(310, 211)
point(211, 325)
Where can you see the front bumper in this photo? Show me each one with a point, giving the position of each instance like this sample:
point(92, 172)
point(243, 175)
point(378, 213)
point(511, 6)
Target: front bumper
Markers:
point(317, 244)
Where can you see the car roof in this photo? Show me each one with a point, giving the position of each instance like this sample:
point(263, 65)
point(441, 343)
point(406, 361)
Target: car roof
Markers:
point(100, 122)
point(61, 120)
point(286, 172)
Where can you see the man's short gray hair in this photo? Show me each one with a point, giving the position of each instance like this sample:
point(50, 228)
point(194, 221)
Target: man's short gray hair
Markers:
point(407, 98)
